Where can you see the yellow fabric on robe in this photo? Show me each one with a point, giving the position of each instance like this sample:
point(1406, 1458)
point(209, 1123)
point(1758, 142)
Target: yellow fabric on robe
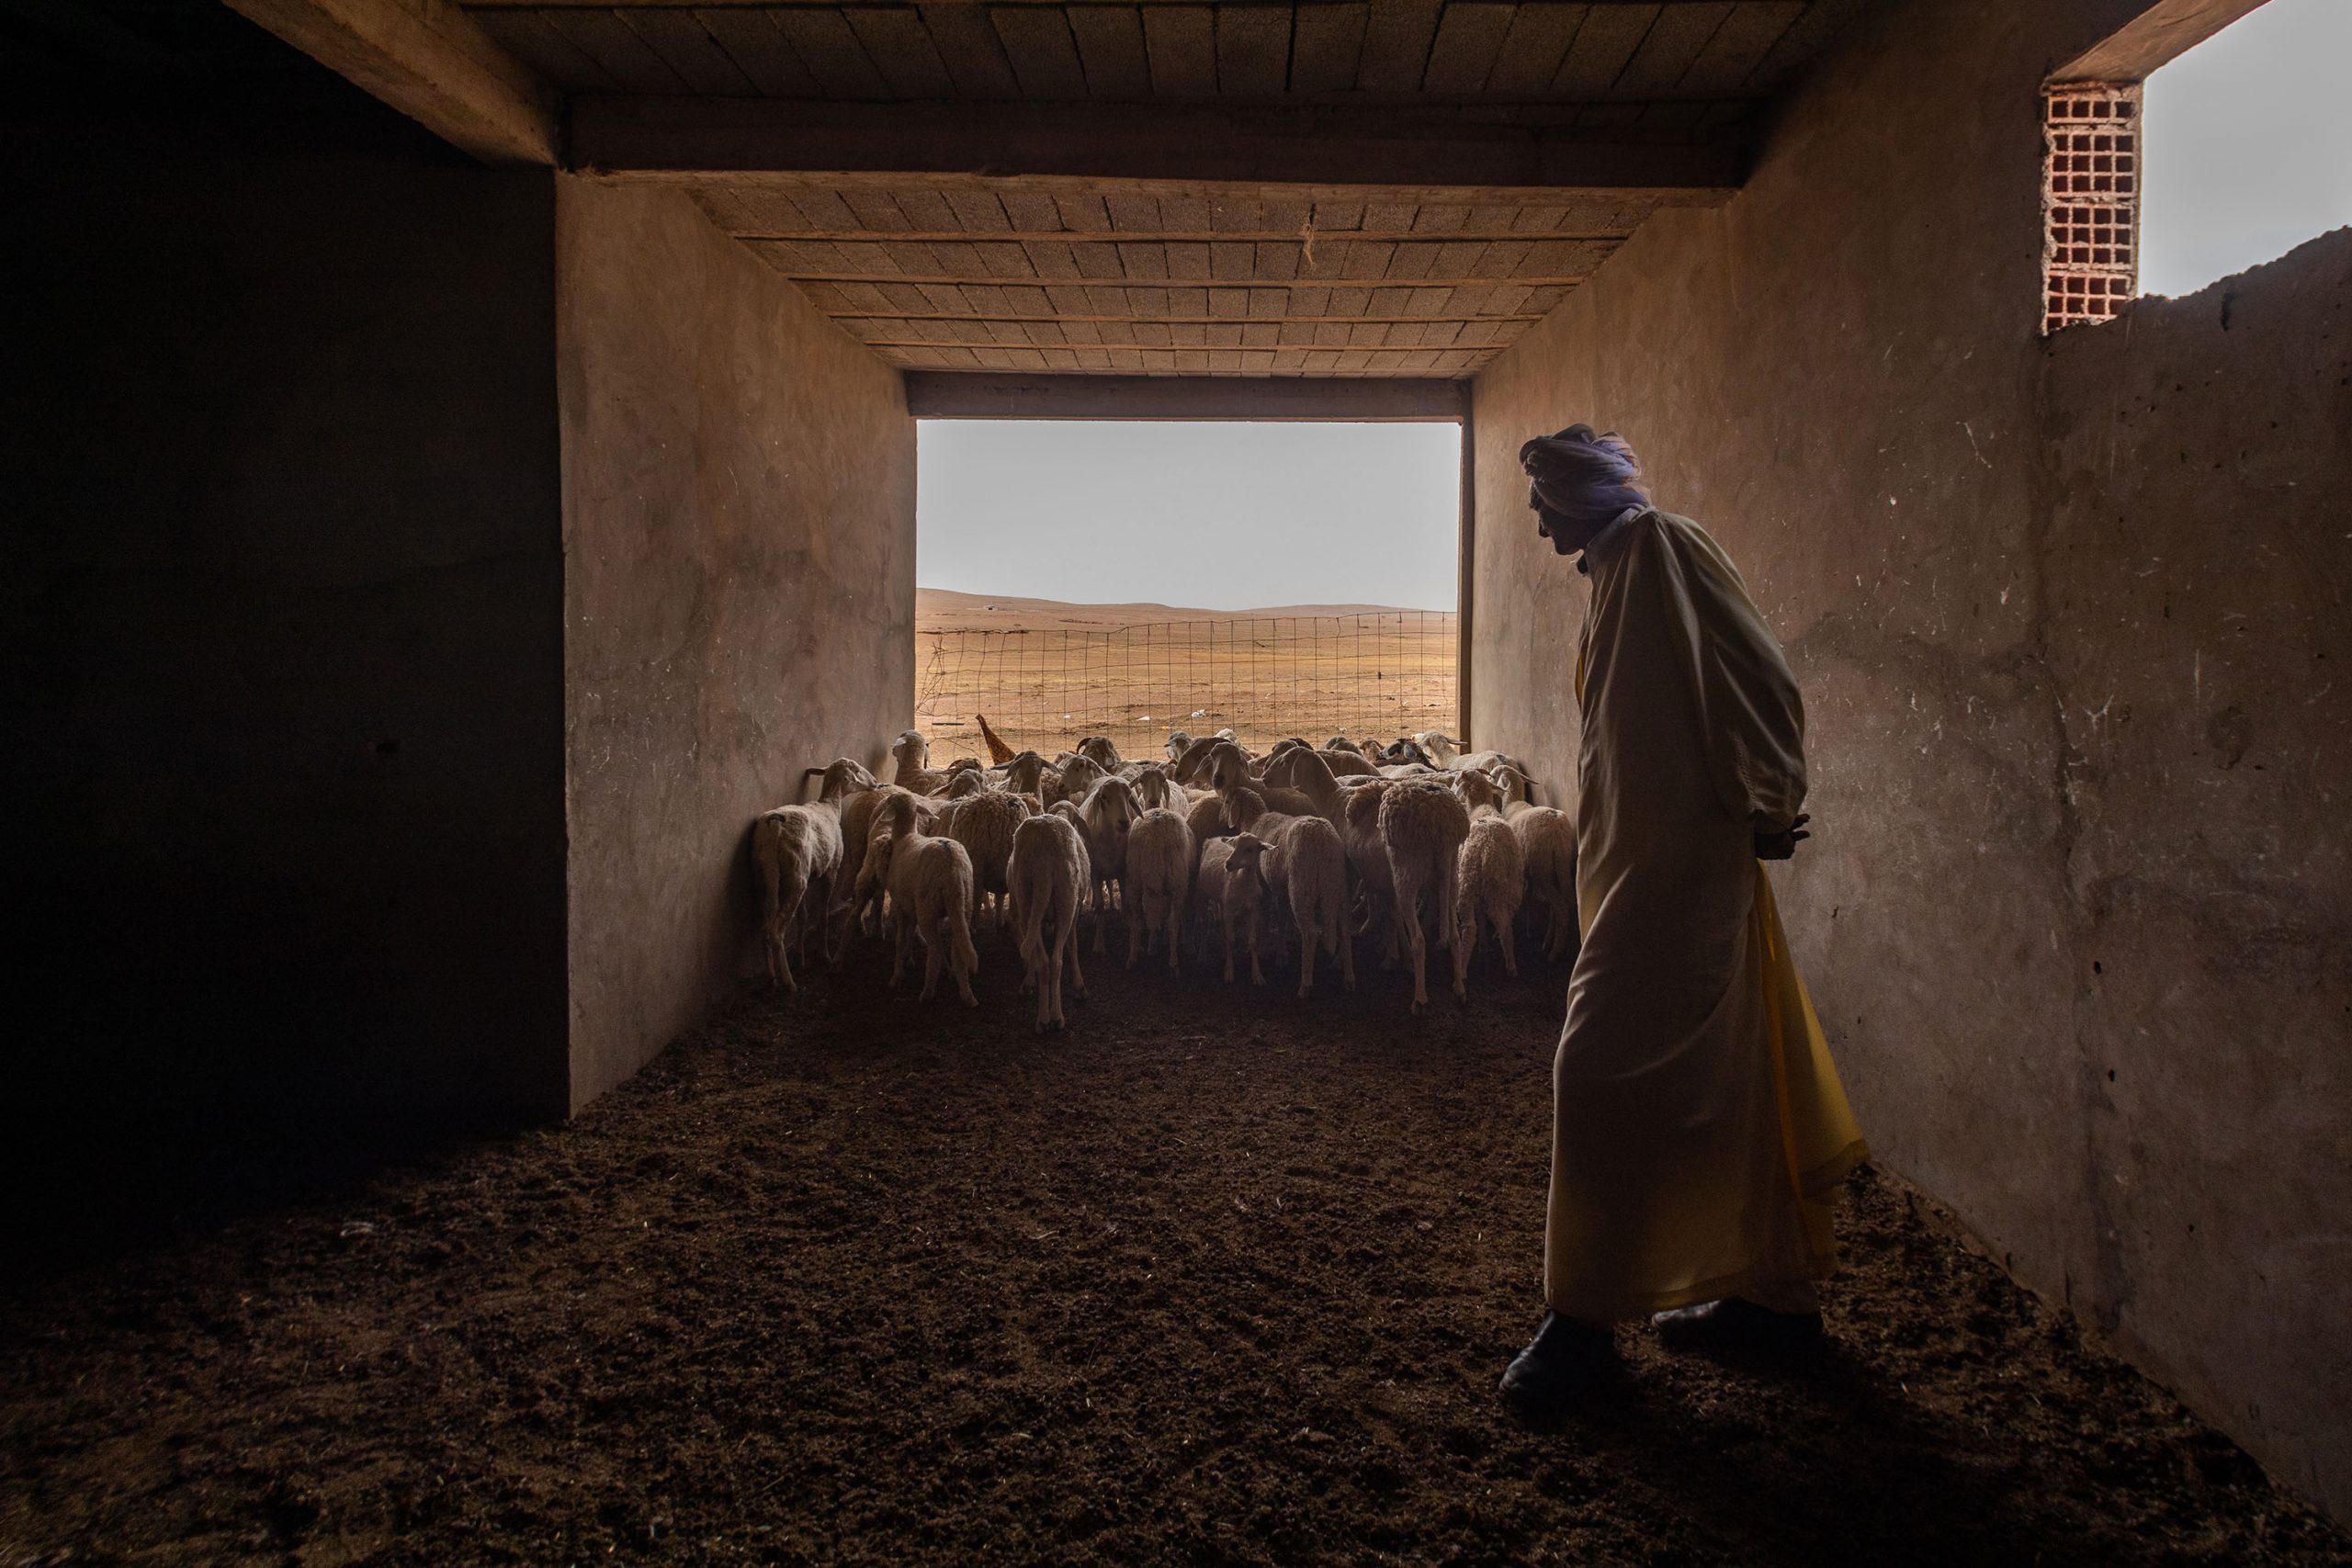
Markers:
point(1699, 1129)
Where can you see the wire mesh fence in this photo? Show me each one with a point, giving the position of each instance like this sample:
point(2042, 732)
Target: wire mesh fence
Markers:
point(1263, 676)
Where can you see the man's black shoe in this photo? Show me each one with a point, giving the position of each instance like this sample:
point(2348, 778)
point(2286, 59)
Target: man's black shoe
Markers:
point(1734, 1324)
point(1560, 1366)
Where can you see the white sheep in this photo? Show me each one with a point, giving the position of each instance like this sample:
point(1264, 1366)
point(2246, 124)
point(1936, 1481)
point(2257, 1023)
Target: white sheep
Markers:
point(1158, 792)
point(1048, 876)
point(1108, 810)
point(1158, 883)
point(909, 754)
point(984, 824)
point(867, 890)
point(1491, 879)
point(1547, 844)
point(1355, 809)
point(1231, 885)
point(1423, 826)
point(1075, 776)
point(1306, 867)
point(796, 852)
point(930, 898)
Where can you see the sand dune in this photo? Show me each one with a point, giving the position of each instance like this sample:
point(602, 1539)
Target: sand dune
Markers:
point(942, 609)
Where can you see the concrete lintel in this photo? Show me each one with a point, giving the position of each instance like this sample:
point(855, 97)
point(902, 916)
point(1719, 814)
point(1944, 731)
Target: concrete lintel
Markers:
point(948, 394)
point(711, 138)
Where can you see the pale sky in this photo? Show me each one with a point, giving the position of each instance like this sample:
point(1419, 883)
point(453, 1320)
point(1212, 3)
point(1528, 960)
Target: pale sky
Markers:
point(2248, 142)
point(1212, 517)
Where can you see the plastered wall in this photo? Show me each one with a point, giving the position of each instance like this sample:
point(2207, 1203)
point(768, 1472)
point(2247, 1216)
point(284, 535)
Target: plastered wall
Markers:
point(2069, 616)
point(739, 481)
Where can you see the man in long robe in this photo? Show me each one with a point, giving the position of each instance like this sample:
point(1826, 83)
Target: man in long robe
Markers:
point(1700, 1133)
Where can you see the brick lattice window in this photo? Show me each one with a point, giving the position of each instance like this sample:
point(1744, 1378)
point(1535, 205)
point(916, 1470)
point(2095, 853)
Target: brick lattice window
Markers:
point(2090, 201)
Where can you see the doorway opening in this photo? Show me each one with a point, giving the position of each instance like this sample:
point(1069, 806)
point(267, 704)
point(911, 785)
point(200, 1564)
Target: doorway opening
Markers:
point(1127, 579)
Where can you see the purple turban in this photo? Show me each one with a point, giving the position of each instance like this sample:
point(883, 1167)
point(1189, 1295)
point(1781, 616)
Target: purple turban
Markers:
point(1586, 478)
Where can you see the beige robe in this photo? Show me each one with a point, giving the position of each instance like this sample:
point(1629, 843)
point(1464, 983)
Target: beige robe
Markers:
point(1699, 1129)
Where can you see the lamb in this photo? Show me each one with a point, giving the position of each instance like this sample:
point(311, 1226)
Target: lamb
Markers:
point(1446, 753)
point(1176, 741)
point(1078, 775)
point(796, 852)
point(1205, 817)
point(930, 898)
point(864, 826)
point(1232, 885)
point(1547, 844)
point(1048, 876)
point(1158, 792)
point(1025, 774)
point(1355, 812)
point(909, 754)
point(1423, 826)
point(871, 885)
point(1158, 883)
point(1306, 867)
point(1192, 765)
point(1108, 811)
point(963, 783)
point(1491, 881)
point(1229, 762)
point(1098, 751)
point(984, 824)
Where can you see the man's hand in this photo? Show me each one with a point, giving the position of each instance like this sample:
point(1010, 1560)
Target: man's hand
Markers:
point(1781, 844)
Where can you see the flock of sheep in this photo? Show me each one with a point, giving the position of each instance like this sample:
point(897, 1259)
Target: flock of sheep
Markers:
point(1305, 845)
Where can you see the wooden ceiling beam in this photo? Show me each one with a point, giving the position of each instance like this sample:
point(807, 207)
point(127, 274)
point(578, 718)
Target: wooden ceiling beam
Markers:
point(949, 394)
point(434, 63)
point(2158, 35)
point(706, 140)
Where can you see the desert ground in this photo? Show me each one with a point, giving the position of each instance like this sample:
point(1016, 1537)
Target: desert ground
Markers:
point(1043, 672)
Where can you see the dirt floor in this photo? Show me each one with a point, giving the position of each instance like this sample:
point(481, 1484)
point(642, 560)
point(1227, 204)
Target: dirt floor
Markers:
point(1218, 1276)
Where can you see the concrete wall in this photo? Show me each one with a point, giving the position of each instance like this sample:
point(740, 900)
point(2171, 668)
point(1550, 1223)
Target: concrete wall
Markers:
point(282, 666)
point(2070, 620)
point(739, 491)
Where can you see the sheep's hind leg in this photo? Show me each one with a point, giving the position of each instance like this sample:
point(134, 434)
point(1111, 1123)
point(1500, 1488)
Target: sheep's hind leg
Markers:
point(932, 942)
point(960, 972)
point(906, 936)
point(1070, 936)
point(1306, 945)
